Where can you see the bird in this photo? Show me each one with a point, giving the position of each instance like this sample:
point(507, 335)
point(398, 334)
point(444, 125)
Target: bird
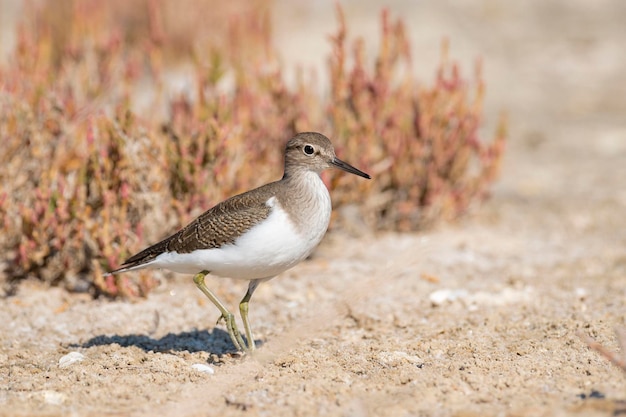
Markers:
point(255, 235)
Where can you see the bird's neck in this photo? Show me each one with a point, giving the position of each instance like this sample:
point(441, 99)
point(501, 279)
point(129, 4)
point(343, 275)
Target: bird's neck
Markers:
point(307, 201)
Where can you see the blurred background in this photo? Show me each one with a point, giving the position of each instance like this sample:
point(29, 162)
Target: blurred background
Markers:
point(546, 60)
point(549, 76)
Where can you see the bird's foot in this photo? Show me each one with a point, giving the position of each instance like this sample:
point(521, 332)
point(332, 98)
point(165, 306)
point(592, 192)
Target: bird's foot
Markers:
point(233, 332)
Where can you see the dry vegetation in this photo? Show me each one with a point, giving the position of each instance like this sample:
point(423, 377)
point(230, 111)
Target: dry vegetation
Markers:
point(86, 179)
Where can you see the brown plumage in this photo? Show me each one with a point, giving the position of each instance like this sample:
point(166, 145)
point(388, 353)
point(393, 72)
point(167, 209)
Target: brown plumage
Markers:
point(219, 225)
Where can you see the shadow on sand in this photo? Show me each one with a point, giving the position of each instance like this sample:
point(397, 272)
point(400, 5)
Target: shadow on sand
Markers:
point(217, 341)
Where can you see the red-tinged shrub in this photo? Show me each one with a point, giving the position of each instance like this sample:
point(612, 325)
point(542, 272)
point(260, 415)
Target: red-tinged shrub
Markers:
point(87, 180)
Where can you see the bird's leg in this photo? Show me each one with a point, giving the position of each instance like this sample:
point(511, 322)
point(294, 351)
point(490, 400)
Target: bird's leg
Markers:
point(229, 318)
point(243, 309)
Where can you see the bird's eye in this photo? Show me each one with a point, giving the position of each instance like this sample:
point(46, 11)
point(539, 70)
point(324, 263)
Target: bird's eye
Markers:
point(308, 150)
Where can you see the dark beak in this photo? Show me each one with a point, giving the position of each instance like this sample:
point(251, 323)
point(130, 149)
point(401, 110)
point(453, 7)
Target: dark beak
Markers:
point(349, 168)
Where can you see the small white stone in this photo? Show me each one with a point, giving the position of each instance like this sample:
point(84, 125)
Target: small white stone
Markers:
point(396, 357)
point(205, 369)
point(70, 359)
point(581, 293)
point(439, 297)
point(443, 295)
point(53, 397)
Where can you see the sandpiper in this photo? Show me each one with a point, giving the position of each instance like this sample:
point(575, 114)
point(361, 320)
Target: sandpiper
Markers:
point(255, 235)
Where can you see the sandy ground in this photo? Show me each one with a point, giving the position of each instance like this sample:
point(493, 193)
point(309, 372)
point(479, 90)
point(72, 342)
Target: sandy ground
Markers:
point(477, 318)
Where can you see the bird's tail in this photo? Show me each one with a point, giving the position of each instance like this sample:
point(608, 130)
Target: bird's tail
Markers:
point(126, 267)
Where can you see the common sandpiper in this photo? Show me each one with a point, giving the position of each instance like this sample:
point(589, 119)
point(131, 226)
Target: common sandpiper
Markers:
point(255, 235)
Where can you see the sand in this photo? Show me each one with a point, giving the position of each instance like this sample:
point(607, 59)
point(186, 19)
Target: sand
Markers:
point(480, 317)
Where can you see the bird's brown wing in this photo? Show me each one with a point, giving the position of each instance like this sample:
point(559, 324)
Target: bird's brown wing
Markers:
point(219, 225)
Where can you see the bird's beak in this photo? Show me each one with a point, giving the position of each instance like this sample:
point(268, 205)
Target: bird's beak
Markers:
point(349, 168)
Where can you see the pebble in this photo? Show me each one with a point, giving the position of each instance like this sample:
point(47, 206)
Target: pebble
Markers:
point(53, 397)
point(395, 358)
point(443, 295)
point(205, 369)
point(70, 359)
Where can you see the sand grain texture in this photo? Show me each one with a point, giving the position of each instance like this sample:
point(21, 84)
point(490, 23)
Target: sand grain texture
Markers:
point(476, 318)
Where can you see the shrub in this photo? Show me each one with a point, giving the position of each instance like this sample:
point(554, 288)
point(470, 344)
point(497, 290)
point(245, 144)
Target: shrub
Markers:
point(87, 180)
